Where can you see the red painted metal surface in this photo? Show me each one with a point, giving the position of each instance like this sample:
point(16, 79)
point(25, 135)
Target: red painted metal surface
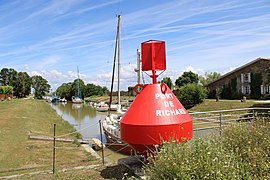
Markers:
point(156, 115)
point(153, 56)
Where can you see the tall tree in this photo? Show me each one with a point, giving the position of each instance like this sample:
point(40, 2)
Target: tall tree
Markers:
point(64, 91)
point(40, 86)
point(168, 81)
point(23, 85)
point(209, 77)
point(187, 78)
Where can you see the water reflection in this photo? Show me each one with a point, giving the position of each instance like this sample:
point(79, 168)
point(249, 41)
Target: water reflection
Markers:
point(84, 118)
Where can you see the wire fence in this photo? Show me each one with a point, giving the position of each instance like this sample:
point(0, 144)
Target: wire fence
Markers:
point(211, 120)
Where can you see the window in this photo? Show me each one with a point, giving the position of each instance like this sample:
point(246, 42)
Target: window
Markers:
point(246, 89)
point(265, 89)
point(245, 78)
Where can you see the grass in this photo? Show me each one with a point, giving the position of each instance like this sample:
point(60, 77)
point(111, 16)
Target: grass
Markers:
point(212, 105)
point(18, 154)
point(242, 152)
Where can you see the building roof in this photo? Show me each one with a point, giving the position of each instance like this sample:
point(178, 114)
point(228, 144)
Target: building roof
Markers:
point(239, 68)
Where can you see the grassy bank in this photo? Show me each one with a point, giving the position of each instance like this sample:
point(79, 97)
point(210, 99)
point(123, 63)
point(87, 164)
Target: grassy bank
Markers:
point(18, 154)
point(242, 152)
point(213, 105)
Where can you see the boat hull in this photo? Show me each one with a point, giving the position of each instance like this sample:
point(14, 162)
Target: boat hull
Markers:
point(117, 145)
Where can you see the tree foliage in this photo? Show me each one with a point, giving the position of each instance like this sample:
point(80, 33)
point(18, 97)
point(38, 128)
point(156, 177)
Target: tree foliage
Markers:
point(20, 81)
point(168, 81)
point(191, 94)
point(187, 78)
point(8, 77)
point(70, 89)
point(92, 89)
point(40, 86)
point(209, 77)
point(23, 85)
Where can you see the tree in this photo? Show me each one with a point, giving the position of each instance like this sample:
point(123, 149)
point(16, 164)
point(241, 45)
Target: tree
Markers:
point(8, 77)
point(209, 77)
point(191, 94)
point(167, 81)
point(23, 85)
point(186, 78)
point(91, 90)
point(64, 91)
point(40, 86)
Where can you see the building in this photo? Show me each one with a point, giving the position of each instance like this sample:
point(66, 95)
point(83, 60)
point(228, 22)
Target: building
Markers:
point(251, 80)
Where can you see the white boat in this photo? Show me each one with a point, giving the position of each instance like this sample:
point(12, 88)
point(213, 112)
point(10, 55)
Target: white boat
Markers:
point(77, 99)
point(102, 107)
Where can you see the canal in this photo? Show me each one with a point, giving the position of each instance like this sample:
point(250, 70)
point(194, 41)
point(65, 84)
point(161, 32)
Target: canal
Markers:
point(85, 119)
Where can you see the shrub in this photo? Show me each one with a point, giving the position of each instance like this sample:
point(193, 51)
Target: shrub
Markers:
point(6, 89)
point(251, 143)
point(242, 152)
point(191, 94)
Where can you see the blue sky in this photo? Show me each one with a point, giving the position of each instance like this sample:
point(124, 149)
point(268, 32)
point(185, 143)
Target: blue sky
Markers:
point(52, 38)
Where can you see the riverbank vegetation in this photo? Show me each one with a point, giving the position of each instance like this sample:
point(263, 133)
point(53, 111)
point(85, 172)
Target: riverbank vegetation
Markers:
point(22, 83)
point(19, 154)
point(67, 90)
point(242, 152)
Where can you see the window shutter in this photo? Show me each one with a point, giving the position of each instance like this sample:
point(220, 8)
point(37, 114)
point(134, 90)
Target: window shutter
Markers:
point(242, 79)
point(249, 77)
point(262, 89)
point(242, 89)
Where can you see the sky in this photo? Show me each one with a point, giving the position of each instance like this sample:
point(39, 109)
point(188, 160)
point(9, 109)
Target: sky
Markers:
point(53, 38)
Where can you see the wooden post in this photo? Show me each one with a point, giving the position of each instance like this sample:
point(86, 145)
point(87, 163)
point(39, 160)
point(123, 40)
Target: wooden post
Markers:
point(102, 150)
point(220, 123)
point(53, 148)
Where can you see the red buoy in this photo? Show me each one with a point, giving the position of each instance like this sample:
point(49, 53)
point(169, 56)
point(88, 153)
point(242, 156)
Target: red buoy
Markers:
point(156, 115)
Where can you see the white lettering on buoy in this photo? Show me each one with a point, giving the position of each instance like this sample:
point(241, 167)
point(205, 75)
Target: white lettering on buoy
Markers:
point(163, 96)
point(167, 103)
point(158, 112)
point(172, 112)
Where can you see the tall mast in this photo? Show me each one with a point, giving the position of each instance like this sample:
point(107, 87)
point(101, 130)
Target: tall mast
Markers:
point(118, 41)
point(116, 51)
point(79, 95)
point(138, 70)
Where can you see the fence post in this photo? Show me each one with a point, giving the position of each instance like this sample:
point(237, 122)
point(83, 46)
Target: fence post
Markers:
point(102, 150)
point(253, 114)
point(220, 123)
point(53, 148)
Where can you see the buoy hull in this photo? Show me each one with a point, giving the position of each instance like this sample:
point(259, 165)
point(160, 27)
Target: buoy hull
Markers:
point(155, 135)
point(156, 115)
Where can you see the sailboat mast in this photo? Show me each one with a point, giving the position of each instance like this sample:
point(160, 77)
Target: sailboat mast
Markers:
point(118, 41)
point(116, 51)
point(79, 95)
point(138, 66)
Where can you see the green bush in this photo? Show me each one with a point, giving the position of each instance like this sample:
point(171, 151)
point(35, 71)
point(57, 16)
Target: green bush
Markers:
point(191, 94)
point(242, 152)
point(6, 89)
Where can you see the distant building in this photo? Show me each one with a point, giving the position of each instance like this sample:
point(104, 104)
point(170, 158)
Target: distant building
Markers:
point(251, 80)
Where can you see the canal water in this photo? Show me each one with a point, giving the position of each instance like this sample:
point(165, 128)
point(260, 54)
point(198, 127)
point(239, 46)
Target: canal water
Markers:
point(85, 119)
